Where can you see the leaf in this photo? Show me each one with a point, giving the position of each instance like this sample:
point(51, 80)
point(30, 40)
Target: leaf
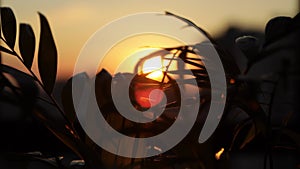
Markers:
point(9, 27)
point(25, 160)
point(277, 28)
point(11, 70)
point(249, 137)
point(67, 100)
point(26, 82)
point(27, 44)
point(250, 46)
point(186, 71)
point(47, 56)
point(59, 127)
point(188, 22)
point(66, 96)
point(103, 93)
point(3, 49)
point(194, 64)
point(23, 86)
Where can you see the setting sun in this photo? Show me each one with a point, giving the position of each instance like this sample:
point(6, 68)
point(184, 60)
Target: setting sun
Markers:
point(153, 66)
point(130, 51)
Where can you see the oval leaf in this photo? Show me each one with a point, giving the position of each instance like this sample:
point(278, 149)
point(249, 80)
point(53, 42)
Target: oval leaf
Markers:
point(27, 44)
point(47, 56)
point(8, 26)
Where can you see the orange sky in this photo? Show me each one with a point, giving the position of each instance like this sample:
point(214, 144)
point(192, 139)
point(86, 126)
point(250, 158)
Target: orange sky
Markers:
point(73, 22)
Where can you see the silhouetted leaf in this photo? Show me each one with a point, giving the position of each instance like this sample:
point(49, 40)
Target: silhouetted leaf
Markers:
point(103, 93)
point(11, 70)
point(296, 22)
point(27, 44)
point(47, 56)
point(3, 49)
point(67, 101)
point(26, 82)
point(186, 71)
point(189, 23)
point(66, 95)
point(239, 129)
point(277, 28)
point(195, 64)
point(59, 127)
point(249, 137)
point(249, 45)
point(23, 160)
point(24, 90)
point(8, 26)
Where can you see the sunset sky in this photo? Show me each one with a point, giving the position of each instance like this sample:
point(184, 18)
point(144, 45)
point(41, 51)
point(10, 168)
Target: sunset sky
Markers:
point(73, 22)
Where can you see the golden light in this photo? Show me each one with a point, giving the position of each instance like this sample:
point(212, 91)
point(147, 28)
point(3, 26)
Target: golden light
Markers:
point(156, 75)
point(150, 95)
point(219, 153)
point(131, 50)
point(153, 66)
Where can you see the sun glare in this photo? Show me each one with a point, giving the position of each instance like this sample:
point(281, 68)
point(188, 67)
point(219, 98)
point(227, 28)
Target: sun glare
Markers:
point(156, 75)
point(153, 66)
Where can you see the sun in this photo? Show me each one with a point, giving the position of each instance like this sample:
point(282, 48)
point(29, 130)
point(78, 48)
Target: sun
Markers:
point(131, 50)
point(148, 96)
point(154, 67)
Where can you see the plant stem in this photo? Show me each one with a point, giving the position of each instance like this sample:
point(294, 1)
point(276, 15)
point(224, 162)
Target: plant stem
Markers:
point(167, 67)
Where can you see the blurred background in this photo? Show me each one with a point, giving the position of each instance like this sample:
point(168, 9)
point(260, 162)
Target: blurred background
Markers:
point(73, 22)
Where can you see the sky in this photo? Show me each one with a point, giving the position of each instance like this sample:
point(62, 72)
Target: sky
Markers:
point(73, 22)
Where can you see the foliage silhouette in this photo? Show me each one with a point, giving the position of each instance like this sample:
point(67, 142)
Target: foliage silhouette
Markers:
point(47, 56)
point(247, 116)
point(27, 44)
point(9, 28)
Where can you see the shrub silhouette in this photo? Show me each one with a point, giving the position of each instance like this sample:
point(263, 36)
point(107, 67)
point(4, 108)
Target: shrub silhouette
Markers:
point(248, 121)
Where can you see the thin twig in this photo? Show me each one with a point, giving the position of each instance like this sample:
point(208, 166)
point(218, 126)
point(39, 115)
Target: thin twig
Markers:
point(169, 64)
